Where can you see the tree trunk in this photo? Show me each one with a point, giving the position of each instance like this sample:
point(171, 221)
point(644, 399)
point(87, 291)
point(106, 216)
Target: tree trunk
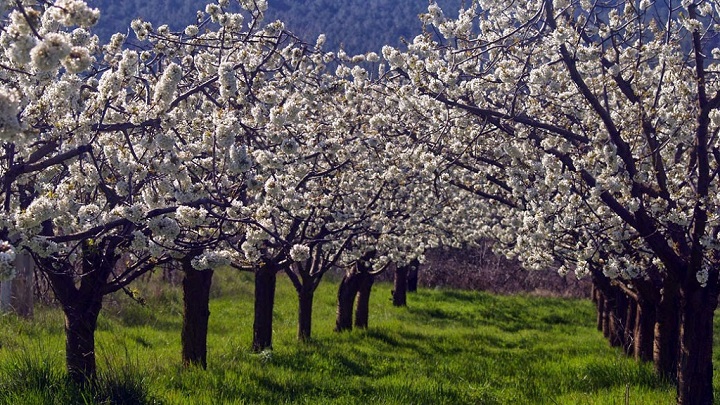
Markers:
point(607, 303)
point(606, 318)
point(667, 332)
point(695, 369)
point(412, 277)
point(6, 296)
point(629, 326)
point(305, 300)
point(80, 324)
point(16, 295)
point(346, 299)
point(617, 319)
point(81, 300)
point(644, 330)
point(196, 298)
point(600, 309)
point(362, 308)
point(400, 286)
point(265, 279)
point(22, 300)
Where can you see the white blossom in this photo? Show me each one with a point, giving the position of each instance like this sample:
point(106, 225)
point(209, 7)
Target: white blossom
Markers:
point(74, 12)
point(212, 260)
point(78, 60)
point(167, 85)
point(299, 253)
point(47, 54)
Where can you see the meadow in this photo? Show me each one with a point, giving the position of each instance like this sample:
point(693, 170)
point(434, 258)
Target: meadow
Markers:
point(446, 347)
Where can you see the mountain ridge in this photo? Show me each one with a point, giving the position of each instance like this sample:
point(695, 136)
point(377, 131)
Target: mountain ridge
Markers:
point(359, 26)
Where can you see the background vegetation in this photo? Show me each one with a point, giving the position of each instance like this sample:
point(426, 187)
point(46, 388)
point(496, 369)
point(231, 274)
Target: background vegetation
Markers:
point(358, 25)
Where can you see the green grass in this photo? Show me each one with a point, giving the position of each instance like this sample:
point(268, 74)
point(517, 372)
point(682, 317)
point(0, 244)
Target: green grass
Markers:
point(447, 347)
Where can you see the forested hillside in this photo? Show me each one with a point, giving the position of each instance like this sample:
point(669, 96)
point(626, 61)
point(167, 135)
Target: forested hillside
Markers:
point(358, 25)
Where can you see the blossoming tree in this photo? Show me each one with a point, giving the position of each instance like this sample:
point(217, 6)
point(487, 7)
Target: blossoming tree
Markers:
point(95, 187)
point(615, 109)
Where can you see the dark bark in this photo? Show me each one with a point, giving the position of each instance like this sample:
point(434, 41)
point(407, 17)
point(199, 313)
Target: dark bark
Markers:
point(81, 303)
point(600, 299)
point(667, 331)
point(265, 279)
point(80, 324)
point(648, 299)
point(644, 330)
point(611, 322)
point(412, 277)
point(695, 369)
point(362, 301)
point(400, 286)
point(606, 302)
point(196, 299)
point(617, 319)
point(305, 301)
point(629, 326)
point(606, 318)
point(346, 299)
point(305, 282)
point(616, 312)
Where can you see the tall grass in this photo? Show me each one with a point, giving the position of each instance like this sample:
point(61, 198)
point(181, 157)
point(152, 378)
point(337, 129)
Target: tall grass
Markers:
point(34, 377)
point(447, 347)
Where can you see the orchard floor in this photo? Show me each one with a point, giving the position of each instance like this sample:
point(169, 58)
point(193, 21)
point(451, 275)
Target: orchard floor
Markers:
point(446, 347)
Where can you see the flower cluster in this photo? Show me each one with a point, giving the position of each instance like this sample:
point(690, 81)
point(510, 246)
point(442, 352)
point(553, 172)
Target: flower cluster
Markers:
point(74, 12)
point(212, 260)
point(300, 253)
point(48, 53)
point(167, 85)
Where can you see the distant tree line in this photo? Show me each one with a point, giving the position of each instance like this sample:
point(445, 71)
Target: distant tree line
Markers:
point(358, 26)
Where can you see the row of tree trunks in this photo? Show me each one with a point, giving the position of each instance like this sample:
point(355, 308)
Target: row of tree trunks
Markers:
point(405, 281)
point(671, 326)
point(643, 323)
point(354, 291)
point(81, 313)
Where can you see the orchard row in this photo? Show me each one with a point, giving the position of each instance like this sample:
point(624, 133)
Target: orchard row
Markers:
point(576, 135)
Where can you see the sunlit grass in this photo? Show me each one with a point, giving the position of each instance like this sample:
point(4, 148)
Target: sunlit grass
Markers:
point(447, 347)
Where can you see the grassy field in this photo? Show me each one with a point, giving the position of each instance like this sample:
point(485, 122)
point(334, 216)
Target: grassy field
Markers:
point(447, 347)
